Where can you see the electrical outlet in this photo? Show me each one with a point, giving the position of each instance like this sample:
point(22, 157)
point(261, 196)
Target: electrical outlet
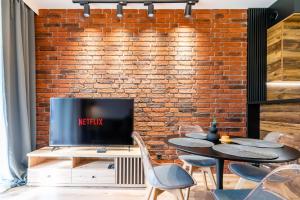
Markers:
point(158, 156)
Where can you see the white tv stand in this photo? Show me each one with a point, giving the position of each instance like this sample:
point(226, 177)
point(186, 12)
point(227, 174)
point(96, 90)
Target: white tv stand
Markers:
point(83, 166)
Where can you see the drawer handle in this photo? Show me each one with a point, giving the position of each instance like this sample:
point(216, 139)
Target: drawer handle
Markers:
point(93, 176)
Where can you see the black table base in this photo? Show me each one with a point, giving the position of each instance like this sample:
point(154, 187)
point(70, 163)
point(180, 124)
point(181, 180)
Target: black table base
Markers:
point(219, 172)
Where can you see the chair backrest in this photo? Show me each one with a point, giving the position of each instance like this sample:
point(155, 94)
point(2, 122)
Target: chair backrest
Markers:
point(281, 184)
point(148, 168)
point(189, 129)
point(273, 136)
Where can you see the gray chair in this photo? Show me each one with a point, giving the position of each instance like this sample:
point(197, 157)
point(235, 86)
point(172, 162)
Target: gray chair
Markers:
point(170, 177)
point(248, 172)
point(191, 162)
point(281, 184)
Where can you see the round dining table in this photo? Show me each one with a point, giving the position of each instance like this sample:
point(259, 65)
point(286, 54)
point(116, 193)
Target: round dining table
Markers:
point(285, 154)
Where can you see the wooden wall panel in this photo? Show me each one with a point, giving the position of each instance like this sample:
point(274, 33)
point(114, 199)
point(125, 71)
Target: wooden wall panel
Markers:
point(291, 49)
point(283, 59)
point(283, 92)
point(274, 58)
point(283, 118)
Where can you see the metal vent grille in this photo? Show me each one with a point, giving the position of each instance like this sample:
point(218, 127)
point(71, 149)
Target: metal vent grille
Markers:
point(257, 54)
point(129, 171)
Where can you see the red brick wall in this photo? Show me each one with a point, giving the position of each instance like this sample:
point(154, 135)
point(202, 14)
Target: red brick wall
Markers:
point(180, 71)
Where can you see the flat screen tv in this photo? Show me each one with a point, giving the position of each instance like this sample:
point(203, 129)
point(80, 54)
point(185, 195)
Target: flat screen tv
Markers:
point(91, 122)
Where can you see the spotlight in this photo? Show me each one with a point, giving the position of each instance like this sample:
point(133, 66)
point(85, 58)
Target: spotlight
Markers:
point(150, 10)
point(119, 10)
point(86, 10)
point(274, 15)
point(188, 10)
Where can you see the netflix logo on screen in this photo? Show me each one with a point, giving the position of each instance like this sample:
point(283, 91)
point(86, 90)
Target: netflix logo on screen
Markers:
point(90, 121)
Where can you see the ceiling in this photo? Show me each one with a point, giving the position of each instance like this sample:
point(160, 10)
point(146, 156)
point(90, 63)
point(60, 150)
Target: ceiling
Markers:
point(203, 4)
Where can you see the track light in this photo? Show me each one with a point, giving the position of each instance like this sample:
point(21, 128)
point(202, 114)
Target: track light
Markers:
point(188, 10)
point(150, 10)
point(119, 10)
point(86, 10)
point(149, 3)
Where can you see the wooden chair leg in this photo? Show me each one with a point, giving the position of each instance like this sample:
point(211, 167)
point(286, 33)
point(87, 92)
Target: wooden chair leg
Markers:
point(212, 178)
point(204, 179)
point(187, 193)
point(184, 166)
point(191, 169)
point(240, 183)
point(149, 192)
point(177, 193)
point(155, 193)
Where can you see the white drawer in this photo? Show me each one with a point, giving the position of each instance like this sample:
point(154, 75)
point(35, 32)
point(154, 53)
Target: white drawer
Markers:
point(93, 177)
point(94, 173)
point(49, 176)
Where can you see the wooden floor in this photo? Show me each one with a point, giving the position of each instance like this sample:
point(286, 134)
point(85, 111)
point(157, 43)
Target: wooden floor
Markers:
point(95, 193)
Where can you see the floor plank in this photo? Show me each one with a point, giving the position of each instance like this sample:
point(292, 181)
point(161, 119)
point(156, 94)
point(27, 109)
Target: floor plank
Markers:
point(96, 193)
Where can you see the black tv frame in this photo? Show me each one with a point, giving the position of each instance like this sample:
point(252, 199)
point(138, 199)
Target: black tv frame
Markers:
point(102, 148)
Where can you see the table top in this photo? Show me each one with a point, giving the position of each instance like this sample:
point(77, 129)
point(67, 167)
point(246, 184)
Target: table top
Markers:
point(285, 154)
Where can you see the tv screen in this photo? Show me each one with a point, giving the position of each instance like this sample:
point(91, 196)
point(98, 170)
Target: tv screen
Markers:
point(91, 122)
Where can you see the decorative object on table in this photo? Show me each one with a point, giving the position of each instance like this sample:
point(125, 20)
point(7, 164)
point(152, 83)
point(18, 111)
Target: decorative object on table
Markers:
point(225, 139)
point(190, 142)
point(213, 132)
point(245, 151)
point(197, 135)
point(256, 143)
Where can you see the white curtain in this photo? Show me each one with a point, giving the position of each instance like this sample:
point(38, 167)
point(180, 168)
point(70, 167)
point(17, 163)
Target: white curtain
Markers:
point(5, 175)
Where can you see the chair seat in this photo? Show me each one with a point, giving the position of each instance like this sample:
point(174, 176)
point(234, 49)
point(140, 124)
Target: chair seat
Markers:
point(171, 177)
point(248, 172)
point(198, 161)
point(231, 194)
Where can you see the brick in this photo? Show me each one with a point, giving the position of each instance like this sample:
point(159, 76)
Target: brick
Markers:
point(180, 71)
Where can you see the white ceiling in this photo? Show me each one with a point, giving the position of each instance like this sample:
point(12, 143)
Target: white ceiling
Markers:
point(203, 4)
